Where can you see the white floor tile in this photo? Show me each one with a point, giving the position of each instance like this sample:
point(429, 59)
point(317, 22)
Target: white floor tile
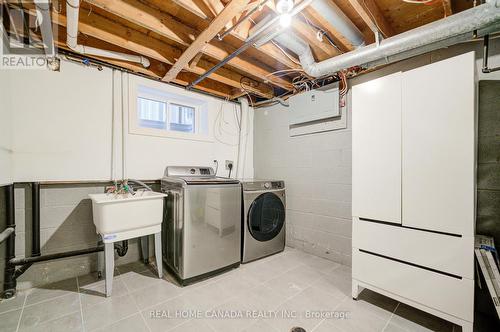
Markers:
point(296, 289)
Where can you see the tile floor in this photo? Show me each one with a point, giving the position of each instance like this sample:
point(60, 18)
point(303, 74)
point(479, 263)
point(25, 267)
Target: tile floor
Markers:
point(287, 285)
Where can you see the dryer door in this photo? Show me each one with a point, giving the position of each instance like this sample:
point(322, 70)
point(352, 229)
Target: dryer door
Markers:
point(266, 217)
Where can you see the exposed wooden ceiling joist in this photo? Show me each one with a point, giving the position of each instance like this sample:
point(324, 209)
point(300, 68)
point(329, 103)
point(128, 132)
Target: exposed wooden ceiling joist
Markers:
point(167, 26)
point(172, 34)
point(372, 16)
point(113, 33)
point(266, 53)
point(447, 7)
point(156, 69)
point(321, 48)
point(222, 18)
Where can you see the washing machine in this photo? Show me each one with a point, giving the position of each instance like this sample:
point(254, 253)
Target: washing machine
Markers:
point(263, 229)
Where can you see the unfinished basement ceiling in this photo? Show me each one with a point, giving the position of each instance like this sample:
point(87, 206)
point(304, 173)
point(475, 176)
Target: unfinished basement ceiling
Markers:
point(163, 30)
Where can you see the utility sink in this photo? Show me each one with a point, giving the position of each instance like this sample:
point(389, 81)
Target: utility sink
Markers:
point(120, 216)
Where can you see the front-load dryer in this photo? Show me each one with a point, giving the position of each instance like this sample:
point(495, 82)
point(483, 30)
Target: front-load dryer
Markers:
point(263, 229)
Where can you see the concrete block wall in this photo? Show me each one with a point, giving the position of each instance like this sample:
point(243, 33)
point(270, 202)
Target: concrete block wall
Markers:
point(316, 169)
point(488, 168)
point(65, 224)
point(3, 224)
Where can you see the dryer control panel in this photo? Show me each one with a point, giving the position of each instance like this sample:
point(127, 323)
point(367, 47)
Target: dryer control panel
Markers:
point(254, 185)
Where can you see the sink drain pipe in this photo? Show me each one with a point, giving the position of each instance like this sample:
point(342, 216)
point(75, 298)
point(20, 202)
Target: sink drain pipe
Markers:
point(11, 262)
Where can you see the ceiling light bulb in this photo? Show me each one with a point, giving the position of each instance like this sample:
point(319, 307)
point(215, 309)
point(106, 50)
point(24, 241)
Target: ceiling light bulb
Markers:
point(285, 20)
point(284, 6)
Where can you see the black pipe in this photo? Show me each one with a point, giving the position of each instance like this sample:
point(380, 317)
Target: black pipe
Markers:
point(221, 63)
point(9, 283)
point(121, 249)
point(31, 260)
point(11, 274)
point(486, 46)
point(35, 219)
point(19, 272)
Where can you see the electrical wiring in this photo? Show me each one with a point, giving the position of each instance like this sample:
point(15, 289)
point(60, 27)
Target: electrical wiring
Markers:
point(423, 2)
point(285, 53)
point(374, 20)
point(219, 131)
point(285, 72)
point(216, 166)
point(322, 32)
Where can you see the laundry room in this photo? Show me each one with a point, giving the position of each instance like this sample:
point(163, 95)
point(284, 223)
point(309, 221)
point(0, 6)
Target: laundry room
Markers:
point(249, 165)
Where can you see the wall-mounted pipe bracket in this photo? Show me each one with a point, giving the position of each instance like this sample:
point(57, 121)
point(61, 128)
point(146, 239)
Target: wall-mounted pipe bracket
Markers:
point(486, 46)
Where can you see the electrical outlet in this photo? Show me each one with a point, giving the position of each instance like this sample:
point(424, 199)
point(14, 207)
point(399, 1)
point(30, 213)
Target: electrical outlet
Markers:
point(229, 162)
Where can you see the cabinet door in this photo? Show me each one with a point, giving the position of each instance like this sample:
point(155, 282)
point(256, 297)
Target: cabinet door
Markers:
point(438, 131)
point(376, 154)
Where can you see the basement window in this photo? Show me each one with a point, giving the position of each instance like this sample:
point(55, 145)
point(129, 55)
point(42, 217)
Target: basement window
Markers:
point(164, 113)
point(181, 118)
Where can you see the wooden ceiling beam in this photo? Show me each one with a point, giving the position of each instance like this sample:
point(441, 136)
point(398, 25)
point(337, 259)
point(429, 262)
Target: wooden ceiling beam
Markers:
point(167, 26)
point(447, 8)
point(268, 50)
point(372, 16)
point(215, 5)
point(322, 49)
point(106, 30)
point(156, 69)
point(226, 15)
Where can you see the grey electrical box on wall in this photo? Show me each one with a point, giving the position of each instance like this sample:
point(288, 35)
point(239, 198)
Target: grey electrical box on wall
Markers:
point(315, 105)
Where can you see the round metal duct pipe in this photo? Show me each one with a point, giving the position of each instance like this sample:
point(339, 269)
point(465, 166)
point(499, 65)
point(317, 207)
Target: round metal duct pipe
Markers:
point(336, 17)
point(484, 18)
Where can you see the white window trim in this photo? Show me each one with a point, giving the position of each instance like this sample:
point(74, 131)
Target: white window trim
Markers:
point(136, 129)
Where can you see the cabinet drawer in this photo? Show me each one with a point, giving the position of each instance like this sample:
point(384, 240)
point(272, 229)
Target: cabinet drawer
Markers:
point(445, 253)
point(440, 292)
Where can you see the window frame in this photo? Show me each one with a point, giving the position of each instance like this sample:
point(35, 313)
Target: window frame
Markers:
point(157, 94)
point(196, 116)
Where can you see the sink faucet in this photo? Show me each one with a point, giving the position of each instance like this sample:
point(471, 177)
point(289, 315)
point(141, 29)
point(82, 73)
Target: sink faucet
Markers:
point(142, 184)
point(125, 188)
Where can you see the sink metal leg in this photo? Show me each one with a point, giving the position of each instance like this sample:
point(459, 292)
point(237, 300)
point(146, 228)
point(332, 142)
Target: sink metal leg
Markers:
point(100, 264)
point(158, 255)
point(109, 254)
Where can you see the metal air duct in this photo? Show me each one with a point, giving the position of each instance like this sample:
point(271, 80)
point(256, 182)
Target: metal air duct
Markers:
point(484, 18)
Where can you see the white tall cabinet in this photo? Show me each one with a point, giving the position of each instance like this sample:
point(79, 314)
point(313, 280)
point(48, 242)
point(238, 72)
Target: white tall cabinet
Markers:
point(414, 187)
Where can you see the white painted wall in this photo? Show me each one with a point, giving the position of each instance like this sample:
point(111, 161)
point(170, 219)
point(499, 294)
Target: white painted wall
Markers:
point(67, 125)
point(317, 167)
point(147, 156)
point(61, 123)
point(5, 129)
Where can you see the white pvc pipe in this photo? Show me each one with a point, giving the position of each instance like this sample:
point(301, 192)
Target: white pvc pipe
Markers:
point(445, 32)
point(43, 18)
point(243, 139)
point(72, 13)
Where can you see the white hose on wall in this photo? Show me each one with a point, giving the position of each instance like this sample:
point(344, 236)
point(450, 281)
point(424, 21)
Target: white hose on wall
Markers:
point(243, 140)
point(43, 18)
point(72, 14)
